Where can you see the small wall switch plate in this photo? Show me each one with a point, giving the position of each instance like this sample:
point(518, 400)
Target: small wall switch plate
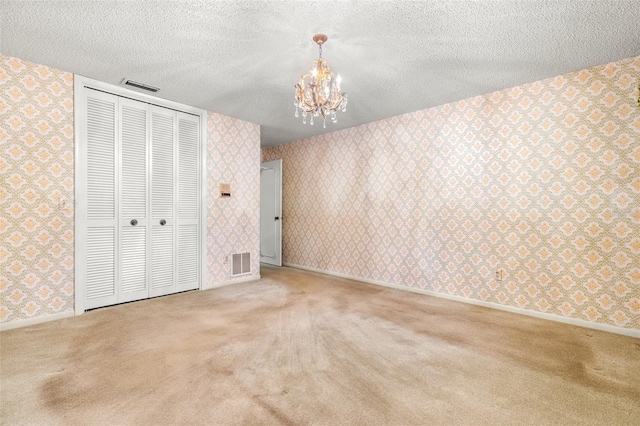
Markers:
point(499, 274)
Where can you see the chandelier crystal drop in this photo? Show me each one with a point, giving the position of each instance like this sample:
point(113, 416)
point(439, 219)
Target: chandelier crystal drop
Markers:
point(318, 93)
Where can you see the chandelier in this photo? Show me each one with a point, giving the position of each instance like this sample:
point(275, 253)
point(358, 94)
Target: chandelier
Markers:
point(318, 93)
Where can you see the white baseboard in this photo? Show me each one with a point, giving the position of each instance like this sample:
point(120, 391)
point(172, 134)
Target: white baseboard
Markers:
point(513, 309)
point(231, 282)
point(32, 321)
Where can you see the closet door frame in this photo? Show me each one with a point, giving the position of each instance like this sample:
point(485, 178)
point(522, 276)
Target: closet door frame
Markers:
point(81, 86)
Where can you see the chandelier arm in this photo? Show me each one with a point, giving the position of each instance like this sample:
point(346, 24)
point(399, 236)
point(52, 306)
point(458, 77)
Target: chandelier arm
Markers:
point(306, 106)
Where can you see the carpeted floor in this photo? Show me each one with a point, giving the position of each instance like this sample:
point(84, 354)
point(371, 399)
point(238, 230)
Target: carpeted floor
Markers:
point(304, 348)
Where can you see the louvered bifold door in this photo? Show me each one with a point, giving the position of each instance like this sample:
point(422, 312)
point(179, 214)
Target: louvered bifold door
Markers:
point(188, 202)
point(134, 223)
point(101, 153)
point(163, 197)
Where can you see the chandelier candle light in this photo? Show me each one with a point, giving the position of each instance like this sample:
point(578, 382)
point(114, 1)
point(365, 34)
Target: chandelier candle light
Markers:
point(318, 93)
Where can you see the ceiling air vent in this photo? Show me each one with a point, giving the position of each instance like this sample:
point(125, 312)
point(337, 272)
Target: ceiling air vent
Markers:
point(137, 85)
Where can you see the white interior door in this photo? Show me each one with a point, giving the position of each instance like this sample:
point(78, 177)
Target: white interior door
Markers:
point(163, 188)
point(134, 180)
point(188, 206)
point(271, 212)
point(97, 262)
point(139, 198)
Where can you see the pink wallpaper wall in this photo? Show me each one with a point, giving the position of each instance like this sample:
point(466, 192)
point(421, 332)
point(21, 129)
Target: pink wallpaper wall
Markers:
point(36, 169)
point(233, 224)
point(541, 181)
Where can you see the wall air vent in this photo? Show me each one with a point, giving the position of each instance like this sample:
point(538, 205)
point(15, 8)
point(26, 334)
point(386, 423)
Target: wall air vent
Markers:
point(127, 82)
point(240, 264)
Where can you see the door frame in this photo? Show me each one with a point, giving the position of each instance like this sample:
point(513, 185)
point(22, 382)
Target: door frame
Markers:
point(80, 86)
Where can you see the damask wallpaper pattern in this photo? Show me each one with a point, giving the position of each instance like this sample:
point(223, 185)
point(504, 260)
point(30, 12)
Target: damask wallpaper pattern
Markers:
point(36, 169)
point(540, 181)
point(233, 224)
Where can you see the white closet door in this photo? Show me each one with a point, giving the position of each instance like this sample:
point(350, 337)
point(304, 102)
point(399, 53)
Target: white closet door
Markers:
point(138, 191)
point(163, 196)
point(101, 202)
point(134, 223)
point(188, 202)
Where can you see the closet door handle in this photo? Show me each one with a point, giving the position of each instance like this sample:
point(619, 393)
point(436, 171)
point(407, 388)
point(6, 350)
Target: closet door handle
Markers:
point(133, 222)
point(163, 222)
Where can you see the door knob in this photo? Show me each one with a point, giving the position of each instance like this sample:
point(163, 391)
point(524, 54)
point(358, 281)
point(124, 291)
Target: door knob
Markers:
point(277, 217)
point(133, 222)
point(163, 222)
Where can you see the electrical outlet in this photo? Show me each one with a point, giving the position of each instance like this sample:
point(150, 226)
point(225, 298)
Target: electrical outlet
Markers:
point(499, 274)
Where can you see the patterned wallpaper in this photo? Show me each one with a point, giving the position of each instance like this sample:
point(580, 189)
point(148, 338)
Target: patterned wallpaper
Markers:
point(541, 181)
point(233, 224)
point(36, 169)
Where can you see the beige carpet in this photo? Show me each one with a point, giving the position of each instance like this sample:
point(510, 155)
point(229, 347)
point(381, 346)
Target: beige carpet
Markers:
point(304, 348)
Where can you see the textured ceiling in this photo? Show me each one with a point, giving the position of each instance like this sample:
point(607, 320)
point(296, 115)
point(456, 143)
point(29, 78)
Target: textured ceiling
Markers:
point(242, 58)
